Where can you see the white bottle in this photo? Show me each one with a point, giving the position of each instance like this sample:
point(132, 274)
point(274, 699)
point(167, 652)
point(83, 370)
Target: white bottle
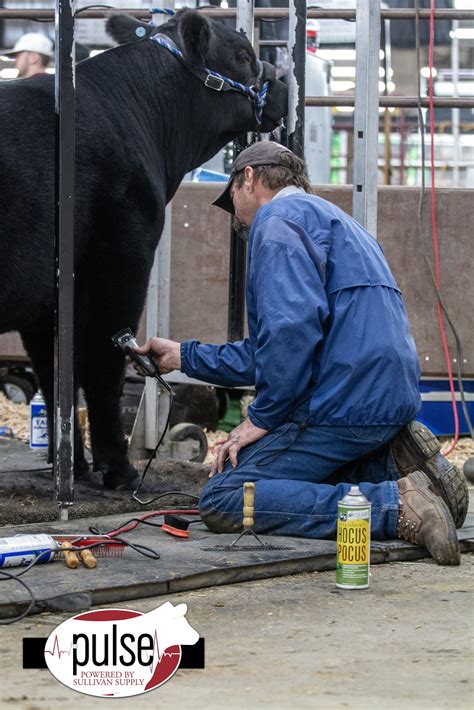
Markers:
point(38, 422)
point(23, 549)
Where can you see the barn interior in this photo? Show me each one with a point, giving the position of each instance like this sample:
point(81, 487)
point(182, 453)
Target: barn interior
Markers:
point(381, 105)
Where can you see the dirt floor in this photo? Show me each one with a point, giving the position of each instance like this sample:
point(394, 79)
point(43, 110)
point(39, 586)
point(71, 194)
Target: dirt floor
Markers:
point(26, 487)
point(298, 642)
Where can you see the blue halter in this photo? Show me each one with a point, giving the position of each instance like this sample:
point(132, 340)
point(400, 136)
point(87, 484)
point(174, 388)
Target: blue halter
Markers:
point(214, 80)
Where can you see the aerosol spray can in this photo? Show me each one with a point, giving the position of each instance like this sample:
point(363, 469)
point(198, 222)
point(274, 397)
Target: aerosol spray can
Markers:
point(353, 541)
point(23, 549)
point(38, 422)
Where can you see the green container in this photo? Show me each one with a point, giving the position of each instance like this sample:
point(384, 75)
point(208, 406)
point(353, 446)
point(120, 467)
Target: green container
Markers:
point(353, 541)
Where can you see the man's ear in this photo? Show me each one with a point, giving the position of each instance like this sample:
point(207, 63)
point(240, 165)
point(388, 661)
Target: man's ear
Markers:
point(195, 34)
point(249, 178)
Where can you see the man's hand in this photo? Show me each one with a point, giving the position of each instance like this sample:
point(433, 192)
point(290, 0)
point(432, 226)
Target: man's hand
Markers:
point(243, 435)
point(166, 354)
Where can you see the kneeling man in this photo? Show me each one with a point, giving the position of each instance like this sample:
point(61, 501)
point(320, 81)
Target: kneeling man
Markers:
point(335, 371)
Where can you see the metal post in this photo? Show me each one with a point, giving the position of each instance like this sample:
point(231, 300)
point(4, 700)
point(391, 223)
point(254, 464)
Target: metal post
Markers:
point(238, 247)
point(455, 111)
point(244, 23)
point(63, 460)
point(366, 114)
point(387, 118)
point(158, 304)
point(296, 76)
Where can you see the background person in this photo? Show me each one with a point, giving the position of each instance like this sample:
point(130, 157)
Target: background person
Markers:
point(32, 54)
point(335, 370)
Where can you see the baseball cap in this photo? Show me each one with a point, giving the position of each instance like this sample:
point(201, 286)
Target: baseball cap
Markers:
point(263, 153)
point(32, 42)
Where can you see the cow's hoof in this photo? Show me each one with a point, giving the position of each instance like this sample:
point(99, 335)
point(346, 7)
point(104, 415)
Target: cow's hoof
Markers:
point(83, 475)
point(81, 470)
point(126, 479)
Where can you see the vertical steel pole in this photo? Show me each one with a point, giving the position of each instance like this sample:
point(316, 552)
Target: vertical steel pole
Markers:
point(158, 305)
point(387, 118)
point(366, 114)
point(238, 247)
point(63, 462)
point(455, 111)
point(244, 23)
point(296, 76)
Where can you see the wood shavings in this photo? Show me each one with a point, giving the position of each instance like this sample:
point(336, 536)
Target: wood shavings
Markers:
point(463, 451)
point(15, 416)
point(214, 439)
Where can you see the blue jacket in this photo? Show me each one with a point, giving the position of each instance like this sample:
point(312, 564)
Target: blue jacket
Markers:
point(325, 319)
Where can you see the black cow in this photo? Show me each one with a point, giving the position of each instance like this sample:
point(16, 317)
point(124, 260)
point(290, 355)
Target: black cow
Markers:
point(143, 119)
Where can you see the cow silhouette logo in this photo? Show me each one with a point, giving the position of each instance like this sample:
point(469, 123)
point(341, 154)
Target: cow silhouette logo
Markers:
point(116, 653)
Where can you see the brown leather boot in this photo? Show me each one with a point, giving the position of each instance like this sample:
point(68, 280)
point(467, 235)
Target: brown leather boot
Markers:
point(416, 448)
point(424, 519)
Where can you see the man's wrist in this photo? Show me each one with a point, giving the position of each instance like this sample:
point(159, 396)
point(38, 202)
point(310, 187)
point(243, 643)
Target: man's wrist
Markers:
point(177, 356)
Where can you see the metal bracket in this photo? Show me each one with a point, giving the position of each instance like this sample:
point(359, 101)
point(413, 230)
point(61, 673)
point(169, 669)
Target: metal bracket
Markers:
point(214, 82)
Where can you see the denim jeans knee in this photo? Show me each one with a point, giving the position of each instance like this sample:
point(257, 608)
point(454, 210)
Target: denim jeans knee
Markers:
point(293, 496)
point(214, 515)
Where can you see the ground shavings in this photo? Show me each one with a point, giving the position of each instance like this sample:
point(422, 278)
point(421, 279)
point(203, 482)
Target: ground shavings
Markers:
point(17, 418)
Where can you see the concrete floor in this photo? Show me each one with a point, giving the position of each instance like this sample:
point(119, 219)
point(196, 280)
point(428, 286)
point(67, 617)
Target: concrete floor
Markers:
point(298, 642)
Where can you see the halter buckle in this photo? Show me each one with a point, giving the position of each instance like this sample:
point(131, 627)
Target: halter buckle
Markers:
point(214, 82)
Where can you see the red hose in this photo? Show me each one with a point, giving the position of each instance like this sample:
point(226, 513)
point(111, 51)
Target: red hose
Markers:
point(435, 235)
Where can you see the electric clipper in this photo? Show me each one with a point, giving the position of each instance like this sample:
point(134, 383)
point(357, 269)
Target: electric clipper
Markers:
point(126, 341)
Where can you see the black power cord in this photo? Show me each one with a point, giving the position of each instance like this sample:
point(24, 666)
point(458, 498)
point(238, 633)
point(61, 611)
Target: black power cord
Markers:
point(5, 576)
point(166, 386)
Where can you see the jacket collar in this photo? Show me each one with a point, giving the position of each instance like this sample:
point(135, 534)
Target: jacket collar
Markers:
point(286, 191)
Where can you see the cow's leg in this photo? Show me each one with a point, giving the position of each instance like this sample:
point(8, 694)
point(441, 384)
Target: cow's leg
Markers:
point(101, 376)
point(40, 347)
point(116, 279)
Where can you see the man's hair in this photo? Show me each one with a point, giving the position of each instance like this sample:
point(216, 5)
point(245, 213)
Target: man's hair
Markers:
point(290, 171)
point(44, 59)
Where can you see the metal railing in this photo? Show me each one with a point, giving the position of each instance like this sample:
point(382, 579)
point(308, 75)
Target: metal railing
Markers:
point(389, 101)
point(259, 14)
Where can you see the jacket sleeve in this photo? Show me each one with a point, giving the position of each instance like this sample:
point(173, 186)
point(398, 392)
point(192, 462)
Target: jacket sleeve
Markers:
point(291, 307)
point(229, 365)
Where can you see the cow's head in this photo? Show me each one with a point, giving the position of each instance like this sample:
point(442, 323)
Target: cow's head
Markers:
point(209, 43)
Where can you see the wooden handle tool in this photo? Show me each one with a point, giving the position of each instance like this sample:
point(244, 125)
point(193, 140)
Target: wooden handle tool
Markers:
point(88, 559)
point(70, 558)
point(249, 497)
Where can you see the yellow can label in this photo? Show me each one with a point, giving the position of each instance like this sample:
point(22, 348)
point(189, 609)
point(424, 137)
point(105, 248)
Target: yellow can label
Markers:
point(353, 546)
point(352, 542)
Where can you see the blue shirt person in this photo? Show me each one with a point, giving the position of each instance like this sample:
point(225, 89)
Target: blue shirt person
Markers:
point(335, 371)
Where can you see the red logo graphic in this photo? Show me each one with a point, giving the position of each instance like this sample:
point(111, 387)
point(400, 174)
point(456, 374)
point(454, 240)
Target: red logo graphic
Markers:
point(117, 652)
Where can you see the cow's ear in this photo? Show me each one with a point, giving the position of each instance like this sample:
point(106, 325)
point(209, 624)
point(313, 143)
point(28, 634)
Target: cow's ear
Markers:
point(124, 29)
point(195, 33)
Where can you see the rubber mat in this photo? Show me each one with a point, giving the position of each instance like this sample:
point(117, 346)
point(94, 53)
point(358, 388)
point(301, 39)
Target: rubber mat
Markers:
point(183, 564)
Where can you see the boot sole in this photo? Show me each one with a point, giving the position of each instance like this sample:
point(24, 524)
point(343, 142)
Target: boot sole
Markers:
point(447, 480)
point(452, 555)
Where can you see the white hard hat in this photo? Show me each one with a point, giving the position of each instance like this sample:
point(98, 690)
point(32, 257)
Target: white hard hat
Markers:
point(33, 42)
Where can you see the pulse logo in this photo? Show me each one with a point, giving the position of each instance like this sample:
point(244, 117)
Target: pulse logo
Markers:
point(118, 652)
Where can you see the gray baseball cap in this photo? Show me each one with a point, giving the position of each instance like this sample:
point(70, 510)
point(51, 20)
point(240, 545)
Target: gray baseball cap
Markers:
point(263, 153)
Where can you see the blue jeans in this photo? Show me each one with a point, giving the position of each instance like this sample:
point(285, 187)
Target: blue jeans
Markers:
point(301, 472)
